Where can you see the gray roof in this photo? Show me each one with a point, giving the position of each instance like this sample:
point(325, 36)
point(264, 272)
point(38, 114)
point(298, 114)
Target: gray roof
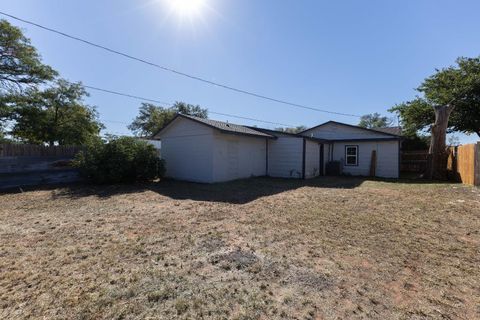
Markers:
point(227, 127)
point(377, 130)
point(391, 130)
point(231, 128)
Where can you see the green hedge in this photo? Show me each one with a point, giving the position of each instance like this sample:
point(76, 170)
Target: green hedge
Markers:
point(120, 160)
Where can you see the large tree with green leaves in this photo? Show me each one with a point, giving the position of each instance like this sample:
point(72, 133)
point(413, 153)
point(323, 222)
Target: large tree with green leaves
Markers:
point(20, 68)
point(374, 120)
point(449, 101)
point(152, 118)
point(20, 63)
point(56, 115)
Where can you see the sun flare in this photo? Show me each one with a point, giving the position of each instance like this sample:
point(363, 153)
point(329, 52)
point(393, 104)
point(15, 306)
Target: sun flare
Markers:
point(187, 8)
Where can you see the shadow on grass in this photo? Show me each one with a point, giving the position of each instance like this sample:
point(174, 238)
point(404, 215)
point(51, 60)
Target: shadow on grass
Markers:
point(235, 192)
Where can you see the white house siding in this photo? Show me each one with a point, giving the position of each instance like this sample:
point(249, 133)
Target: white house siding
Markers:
point(312, 159)
point(187, 148)
point(387, 158)
point(285, 157)
point(388, 165)
point(237, 157)
point(335, 131)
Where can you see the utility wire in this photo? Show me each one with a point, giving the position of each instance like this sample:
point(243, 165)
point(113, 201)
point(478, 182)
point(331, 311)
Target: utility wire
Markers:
point(169, 104)
point(183, 74)
point(126, 95)
point(212, 112)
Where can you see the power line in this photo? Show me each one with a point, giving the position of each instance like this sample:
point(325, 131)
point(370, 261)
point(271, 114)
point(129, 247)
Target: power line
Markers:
point(212, 112)
point(169, 104)
point(126, 95)
point(183, 74)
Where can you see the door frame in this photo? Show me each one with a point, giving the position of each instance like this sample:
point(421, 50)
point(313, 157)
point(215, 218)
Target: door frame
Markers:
point(322, 154)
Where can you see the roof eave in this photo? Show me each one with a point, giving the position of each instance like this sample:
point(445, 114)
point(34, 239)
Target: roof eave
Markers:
point(213, 127)
point(350, 125)
point(367, 139)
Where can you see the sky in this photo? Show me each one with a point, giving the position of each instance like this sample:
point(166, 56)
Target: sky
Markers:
point(349, 56)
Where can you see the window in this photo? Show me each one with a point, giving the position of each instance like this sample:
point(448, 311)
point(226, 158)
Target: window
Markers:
point(351, 155)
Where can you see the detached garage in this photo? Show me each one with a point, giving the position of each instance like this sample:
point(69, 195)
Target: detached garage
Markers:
point(203, 150)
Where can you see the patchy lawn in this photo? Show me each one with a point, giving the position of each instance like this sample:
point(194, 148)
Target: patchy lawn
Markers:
point(254, 249)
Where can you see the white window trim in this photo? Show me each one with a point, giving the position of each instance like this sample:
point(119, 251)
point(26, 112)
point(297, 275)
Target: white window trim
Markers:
point(356, 156)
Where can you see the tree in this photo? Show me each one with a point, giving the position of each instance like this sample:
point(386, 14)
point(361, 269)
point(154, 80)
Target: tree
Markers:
point(292, 130)
point(374, 120)
point(20, 68)
point(20, 63)
point(419, 115)
point(152, 118)
point(416, 116)
point(56, 115)
point(415, 143)
point(450, 102)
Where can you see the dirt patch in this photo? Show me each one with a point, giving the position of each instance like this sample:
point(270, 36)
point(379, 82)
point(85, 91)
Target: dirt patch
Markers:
point(210, 245)
point(237, 259)
point(310, 280)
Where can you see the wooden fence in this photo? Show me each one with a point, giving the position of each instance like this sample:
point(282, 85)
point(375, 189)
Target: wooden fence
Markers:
point(414, 161)
point(464, 164)
point(27, 150)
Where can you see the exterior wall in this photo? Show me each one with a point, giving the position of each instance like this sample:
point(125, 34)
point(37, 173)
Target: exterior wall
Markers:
point(387, 158)
point(195, 152)
point(187, 148)
point(335, 131)
point(238, 157)
point(312, 159)
point(285, 156)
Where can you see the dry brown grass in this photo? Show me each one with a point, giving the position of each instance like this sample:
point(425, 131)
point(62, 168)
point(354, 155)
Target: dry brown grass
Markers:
point(254, 249)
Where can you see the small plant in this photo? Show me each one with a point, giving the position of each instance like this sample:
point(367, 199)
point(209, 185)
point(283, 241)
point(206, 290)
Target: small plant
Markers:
point(181, 305)
point(120, 160)
point(161, 295)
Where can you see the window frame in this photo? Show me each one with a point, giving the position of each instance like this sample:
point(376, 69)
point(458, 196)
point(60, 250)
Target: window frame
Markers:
point(356, 155)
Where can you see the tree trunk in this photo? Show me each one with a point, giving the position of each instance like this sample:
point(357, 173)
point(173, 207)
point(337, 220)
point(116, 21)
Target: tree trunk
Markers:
point(438, 155)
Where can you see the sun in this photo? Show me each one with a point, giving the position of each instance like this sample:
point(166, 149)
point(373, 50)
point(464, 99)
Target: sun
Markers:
point(187, 8)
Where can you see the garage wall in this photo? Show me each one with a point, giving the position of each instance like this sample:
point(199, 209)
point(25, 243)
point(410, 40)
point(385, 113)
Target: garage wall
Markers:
point(312, 159)
point(238, 157)
point(187, 148)
point(285, 157)
point(387, 158)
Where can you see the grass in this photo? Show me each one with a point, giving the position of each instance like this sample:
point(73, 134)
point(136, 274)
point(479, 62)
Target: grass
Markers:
point(331, 248)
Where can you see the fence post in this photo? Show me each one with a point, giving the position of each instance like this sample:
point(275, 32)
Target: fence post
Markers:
point(476, 168)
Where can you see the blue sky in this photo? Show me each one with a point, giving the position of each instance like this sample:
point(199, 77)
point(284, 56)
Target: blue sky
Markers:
point(346, 56)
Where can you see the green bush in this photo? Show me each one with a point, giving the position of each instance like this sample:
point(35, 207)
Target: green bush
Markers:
point(120, 160)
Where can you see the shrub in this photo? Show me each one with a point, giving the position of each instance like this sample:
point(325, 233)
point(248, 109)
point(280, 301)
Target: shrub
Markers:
point(120, 160)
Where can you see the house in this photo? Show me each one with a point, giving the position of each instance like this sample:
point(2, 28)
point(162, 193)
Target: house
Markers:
point(208, 151)
point(354, 146)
